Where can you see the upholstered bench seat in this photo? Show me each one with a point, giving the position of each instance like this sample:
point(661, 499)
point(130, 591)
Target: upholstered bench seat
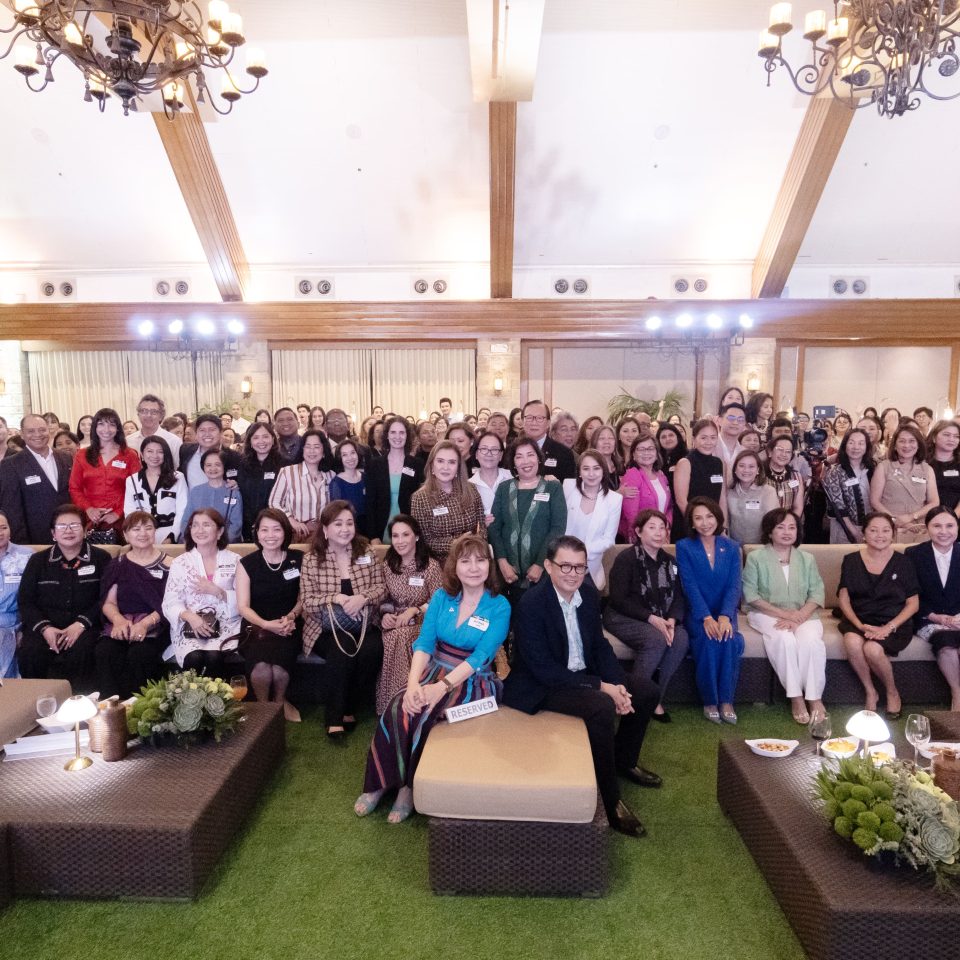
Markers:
point(18, 705)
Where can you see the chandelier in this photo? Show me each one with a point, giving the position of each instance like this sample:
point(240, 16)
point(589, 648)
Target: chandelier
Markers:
point(882, 52)
point(133, 48)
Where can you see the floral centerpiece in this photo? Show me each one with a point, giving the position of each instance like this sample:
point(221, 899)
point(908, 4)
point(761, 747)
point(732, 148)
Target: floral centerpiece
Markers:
point(186, 706)
point(894, 811)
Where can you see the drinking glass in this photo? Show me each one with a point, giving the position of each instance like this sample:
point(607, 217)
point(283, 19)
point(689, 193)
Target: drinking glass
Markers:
point(820, 728)
point(46, 706)
point(917, 732)
point(239, 685)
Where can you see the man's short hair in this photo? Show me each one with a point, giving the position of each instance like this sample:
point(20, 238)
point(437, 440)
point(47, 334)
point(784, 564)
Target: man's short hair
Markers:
point(925, 410)
point(207, 418)
point(565, 542)
point(446, 400)
point(152, 398)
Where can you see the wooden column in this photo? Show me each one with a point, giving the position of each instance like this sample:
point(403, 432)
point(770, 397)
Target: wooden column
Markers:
point(953, 387)
point(801, 365)
point(503, 144)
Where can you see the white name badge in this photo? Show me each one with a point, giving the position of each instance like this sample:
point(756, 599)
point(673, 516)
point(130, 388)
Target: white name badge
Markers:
point(793, 483)
point(11, 578)
point(87, 570)
point(852, 482)
point(30, 481)
point(717, 478)
point(122, 464)
point(408, 472)
point(673, 569)
point(292, 574)
point(364, 560)
point(951, 473)
point(542, 497)
point(157, 574)
point(229, 501)
point(752, 504)
point(440, 511)
point(919, 479)
point(476, 708)
point(481, 623)
point(416, 581)
point(270, 476)
point(231, 473)
point(550, 462)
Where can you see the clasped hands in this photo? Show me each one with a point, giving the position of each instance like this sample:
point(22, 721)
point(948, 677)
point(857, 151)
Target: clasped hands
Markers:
point(666, 626)
point(789, 619)
point(419, 697)
point(100, 515)
point(282, 626)
point(871, 632)
point(718, 629)
point(404, 618)
point(533, 574)
point(58, 640)
point(620, 695)
point(126, 629)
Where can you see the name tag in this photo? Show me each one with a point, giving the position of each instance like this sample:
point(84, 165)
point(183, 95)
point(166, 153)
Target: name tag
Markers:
point(292, 574)
point(919, 479)
point(673, 569)
point(229, 501)
point(416, 581)
point(852, 482)
point(122, 464)
point(11, 578)
point(476, 708)
point(270, 476)
point(480, 623)
point(550, 462)
point(166, 493)
point(157, 574)
point(440, 511)
point(30, 481)
point(542, 497)
point(717, 478)
point(364, 561)
point(408, 472)
point(951, 473)
point(87, 570)
point(793, 483)
point(752, 504)
point(231, 473)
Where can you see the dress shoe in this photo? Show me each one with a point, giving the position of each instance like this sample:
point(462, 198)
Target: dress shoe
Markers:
point(662, 717)
point(625, 821)
point(640, 776)
point(728, 716)
point(349, 725)
point(337, 736)
point(712, 715)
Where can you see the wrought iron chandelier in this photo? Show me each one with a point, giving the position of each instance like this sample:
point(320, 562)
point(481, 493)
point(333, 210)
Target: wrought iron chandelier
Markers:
point(133, 48)
point(882, 52)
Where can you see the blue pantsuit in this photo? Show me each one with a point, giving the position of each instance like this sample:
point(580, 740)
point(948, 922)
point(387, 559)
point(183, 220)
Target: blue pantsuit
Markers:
point(712, 592)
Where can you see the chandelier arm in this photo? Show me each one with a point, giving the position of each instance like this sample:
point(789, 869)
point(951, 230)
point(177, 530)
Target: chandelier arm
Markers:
point(13, 40)
point(238, 88)
point(212, 100)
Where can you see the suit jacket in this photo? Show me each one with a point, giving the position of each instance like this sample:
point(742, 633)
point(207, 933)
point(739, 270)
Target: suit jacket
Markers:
point(378, 491)
point(29, 505)
point(559, 461)
point(934, 597)
point(231, 460)
point(541, 648)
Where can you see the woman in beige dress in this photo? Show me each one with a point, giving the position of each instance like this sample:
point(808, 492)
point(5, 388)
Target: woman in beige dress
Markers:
point(904, 485)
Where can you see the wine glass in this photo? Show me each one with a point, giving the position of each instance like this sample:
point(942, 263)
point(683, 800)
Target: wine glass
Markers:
point(820, 728)
point(239, 685)
point(46, 706)
point(917, 732)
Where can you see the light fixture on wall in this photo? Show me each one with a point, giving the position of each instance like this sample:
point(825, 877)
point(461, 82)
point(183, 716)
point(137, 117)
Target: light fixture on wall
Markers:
point(753, 381)
point(879, 52)
point(246, 387)
point(498, 384)
point(104, 40)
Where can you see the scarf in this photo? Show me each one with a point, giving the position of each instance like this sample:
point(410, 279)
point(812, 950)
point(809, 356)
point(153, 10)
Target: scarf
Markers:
point(520, 542)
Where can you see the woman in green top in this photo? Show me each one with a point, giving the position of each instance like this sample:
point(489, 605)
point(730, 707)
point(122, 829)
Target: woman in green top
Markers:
point(783, 590)
point(528, 513)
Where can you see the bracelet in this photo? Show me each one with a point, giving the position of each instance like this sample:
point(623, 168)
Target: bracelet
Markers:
point(446, 683)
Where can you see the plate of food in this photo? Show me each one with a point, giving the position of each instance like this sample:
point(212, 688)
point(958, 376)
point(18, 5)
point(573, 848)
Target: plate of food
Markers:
point(882, 753)
point(931, 749)
point(840, 747)
point(772, 747)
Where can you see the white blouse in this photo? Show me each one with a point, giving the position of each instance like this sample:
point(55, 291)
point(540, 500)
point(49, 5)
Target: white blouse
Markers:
point(598, 530)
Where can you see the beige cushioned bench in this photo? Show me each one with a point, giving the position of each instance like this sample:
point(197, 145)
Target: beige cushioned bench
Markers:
point(18, 705)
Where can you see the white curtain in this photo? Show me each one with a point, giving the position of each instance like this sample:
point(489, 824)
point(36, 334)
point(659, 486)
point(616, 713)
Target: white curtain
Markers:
point(325, 378)
point(409, 380)
point(72, 383)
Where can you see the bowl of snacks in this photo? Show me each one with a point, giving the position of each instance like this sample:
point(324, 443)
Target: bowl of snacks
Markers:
point(840, 747)
point(881, 753)
point(929, 751)
point(772, 747)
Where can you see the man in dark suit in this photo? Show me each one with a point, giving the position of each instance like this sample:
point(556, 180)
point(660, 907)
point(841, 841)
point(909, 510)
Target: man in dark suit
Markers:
point(563, 662)
point(34, 483)
point(208, 432)
point(557, 459)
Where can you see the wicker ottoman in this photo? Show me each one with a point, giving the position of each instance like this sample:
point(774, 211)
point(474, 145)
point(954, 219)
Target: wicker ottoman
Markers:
point(944, 724)
point(513, 808)
point(6, 880)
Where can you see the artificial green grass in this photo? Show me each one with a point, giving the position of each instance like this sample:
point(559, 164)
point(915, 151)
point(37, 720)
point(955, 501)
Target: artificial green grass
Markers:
point(308, 880)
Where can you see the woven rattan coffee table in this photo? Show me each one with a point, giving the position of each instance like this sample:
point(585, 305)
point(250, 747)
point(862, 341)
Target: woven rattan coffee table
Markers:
point(840, 904)
point(151, 826)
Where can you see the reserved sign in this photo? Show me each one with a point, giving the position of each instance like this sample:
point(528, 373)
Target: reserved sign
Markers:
point(476, 708)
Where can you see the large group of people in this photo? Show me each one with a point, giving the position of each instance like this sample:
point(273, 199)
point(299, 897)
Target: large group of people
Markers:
point(495, 528)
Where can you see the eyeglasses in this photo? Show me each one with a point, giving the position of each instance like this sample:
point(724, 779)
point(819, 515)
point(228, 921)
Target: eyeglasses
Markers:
point(148, 411)
point(488, 449)
point(531, 419)
point(736, 419)
point(62, 527)
point(578, 568)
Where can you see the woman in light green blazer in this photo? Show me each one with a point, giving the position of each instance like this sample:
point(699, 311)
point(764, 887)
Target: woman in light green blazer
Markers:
point(784, 591)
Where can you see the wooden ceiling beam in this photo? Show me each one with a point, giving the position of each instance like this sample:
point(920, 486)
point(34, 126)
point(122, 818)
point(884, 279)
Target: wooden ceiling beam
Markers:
point(503, 150)
point(821, 135)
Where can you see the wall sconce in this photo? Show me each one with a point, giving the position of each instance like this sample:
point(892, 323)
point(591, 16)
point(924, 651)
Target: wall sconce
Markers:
point(246, 388)
point(753, 381)
point(498, 385)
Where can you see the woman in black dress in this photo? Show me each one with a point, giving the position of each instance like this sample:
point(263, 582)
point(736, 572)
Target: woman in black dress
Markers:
point(943, 445)
point(268, 597)
point(258, 471)
point(878, 598)
point(699, 474)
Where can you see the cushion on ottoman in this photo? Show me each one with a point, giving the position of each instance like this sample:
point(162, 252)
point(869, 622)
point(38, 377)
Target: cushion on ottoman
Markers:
point(508, 766)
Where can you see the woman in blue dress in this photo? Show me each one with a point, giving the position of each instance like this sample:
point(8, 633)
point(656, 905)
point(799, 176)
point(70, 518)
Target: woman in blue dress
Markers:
point(463, 628)
point(13, 558)
point(710, 571)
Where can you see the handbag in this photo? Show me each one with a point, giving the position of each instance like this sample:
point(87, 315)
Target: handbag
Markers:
point(209, 617)
point(103, 535)
point(335, 620)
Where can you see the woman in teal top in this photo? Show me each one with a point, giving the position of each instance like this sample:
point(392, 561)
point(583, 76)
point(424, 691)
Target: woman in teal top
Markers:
point(463, 628)
point(528, 513)
point(784, 591)
point(13, 559)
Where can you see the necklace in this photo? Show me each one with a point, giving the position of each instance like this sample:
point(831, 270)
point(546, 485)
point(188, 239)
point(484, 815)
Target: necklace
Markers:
point(270, 566)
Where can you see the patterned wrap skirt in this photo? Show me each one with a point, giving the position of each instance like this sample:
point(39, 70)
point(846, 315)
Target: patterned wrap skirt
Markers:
point(399, 739)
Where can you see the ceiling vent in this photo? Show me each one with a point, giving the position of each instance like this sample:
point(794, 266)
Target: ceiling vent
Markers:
point(170, 289)
point(438, 286)
point(58, 289)
point(581, 286)
point(561, 286)
point(685, 285)
point(849, 286)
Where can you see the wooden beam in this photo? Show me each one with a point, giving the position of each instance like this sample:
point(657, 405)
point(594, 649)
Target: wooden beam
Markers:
point(953, 386)
point(188, 149)
point(821, 135)
point(801, 372)
point(503, 150)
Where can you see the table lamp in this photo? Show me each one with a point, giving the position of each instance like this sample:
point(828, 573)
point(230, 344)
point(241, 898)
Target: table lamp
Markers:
point(866, 726)
point(75, 710)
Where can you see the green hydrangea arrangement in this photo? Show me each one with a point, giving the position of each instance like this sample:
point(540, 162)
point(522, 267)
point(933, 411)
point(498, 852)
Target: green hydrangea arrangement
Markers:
point(893, 809)
point(185, 705)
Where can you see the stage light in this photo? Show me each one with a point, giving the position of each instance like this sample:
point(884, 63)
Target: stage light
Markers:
point(205, 327)
point(745, 321)
point(684, 321)
point(175, 328)
point(235, 327)
point(145, 328)
point(653, 323)
point(714, 321)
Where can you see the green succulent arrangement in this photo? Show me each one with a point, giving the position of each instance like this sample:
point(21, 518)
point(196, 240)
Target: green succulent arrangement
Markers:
point(186, 706)
point(625, 403)
point(893, 810)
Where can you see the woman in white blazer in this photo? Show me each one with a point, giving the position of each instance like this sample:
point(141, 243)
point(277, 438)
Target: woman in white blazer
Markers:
point(158, 489)
point(593, 510)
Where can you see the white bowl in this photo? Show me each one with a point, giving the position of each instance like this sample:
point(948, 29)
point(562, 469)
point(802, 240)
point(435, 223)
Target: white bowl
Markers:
point(882, 753)
point(772, 747)
point(838, 747)
point(51, 725)
point(931, 748)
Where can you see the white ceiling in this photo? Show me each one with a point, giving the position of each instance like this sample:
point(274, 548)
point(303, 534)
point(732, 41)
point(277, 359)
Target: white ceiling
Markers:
point(651, 144)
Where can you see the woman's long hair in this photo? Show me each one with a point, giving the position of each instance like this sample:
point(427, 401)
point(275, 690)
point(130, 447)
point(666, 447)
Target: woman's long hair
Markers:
point(93, 451)
point(462, 490)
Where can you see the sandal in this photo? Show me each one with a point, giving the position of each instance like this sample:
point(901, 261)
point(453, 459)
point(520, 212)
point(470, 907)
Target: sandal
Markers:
point(402, 806)
point(801, 717)
point(366, 803)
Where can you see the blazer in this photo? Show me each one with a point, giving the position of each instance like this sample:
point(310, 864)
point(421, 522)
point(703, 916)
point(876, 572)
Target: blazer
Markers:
point(597, 530)
point(631, 592)
point(541, 648)
point(934, 597)
point(378, 491)
point(764, 580)
point(646, 499)
point(558, 460)
point(28, 498)
point(710, 592)
point(231, 461)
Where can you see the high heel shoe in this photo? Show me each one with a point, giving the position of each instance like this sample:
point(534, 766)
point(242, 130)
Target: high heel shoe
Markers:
point(712, 715)
point(349, 725)
point(729, 716)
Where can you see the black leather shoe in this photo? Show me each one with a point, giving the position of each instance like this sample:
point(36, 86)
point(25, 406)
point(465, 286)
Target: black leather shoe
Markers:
point(625, 821)
point(349, 725)
point(641, 777)
point(662, 717)
point(337, 736)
